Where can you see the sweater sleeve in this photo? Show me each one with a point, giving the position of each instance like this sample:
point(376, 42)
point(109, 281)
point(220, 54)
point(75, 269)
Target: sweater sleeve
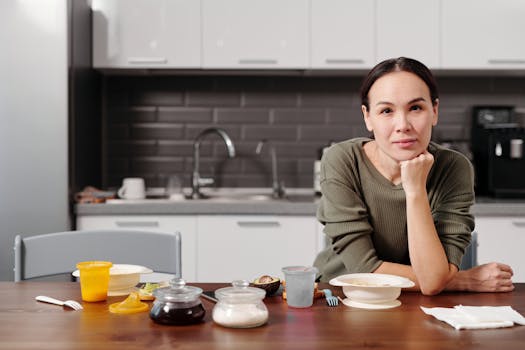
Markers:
point(344, 213)
point(451, 205)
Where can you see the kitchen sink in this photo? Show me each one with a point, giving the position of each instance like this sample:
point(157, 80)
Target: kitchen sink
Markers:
point(240, 198)
point(301, 197)
point(255, 195)
point(228, 195)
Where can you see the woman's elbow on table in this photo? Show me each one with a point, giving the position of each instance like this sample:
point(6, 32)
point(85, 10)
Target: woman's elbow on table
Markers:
point(437, 284)
point(434, 289)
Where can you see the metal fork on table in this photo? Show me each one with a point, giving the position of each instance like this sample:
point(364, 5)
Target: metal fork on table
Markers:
point(69, 303)
point(331, 300)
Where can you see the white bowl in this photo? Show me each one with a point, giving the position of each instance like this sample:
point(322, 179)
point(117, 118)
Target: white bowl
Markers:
point(371, 288)
point(122, 278)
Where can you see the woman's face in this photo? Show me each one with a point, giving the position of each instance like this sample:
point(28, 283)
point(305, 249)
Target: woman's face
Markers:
point(401, 115)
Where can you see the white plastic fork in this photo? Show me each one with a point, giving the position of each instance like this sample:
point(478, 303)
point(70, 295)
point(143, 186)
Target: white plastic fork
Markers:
point(331, 300)
point(69, 303)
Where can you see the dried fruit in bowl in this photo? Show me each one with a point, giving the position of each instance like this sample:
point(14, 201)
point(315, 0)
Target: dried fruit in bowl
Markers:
point(268, 283)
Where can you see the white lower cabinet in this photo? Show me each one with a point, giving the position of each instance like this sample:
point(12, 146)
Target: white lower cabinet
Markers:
point(502, 239)
point(223, 248)
point(246, 247)
point(185, 224)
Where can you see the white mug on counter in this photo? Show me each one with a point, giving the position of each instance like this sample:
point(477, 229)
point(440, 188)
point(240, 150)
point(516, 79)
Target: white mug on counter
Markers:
point(132, 188)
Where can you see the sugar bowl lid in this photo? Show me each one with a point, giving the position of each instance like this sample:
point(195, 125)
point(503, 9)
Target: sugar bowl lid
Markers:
point(178, 291)
point(240, 292)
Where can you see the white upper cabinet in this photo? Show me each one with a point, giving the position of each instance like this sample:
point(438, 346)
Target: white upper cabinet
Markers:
point(248, 34)
point(146, 34)
point(342, 34)
point(483, 34)
point(307, 34)
point(408, 28)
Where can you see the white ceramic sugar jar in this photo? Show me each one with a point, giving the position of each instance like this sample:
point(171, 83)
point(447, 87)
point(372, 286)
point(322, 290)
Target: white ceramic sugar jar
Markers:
point(240, 306)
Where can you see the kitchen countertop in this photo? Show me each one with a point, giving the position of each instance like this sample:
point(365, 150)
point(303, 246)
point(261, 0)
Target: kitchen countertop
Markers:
point(223, 201)
point(485, 206)
point(299, 202)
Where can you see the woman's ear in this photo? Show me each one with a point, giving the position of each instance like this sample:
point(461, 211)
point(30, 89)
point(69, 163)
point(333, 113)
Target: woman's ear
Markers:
point(366, 117)
point(435, 108)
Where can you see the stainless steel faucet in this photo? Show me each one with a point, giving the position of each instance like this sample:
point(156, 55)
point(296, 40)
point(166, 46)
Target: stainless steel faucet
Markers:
point(277, 186)
point(196, 180)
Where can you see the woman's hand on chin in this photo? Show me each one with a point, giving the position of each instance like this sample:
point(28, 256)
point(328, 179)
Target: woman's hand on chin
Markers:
point(414, 173)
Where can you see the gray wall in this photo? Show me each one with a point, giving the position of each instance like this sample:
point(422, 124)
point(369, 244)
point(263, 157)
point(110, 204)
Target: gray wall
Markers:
point(33, 122)
point(151, 121)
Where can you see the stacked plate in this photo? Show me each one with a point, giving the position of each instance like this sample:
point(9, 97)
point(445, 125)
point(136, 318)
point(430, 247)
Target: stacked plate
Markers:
point(123, 278)
point(371, 290)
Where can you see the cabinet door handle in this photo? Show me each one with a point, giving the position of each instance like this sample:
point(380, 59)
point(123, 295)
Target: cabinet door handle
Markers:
point(137, 223)
point(139, 60)
point(344, 61)
point(519, 224)
point(258, 224)
point(505, 61)
point(257, 61)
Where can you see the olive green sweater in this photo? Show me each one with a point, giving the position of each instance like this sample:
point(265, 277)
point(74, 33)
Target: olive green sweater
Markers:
point(365, 214)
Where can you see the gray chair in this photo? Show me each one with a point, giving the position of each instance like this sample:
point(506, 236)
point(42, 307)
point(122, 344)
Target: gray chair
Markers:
point(470, 259)
point(57, 253)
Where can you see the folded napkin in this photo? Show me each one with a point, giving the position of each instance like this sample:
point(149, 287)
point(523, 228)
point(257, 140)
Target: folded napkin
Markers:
point(476, 317)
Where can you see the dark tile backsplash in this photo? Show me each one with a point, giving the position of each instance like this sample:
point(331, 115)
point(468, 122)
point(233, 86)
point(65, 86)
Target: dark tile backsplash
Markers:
point(151, 122)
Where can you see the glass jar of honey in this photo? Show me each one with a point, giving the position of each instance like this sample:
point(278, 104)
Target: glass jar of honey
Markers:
point(177, 304)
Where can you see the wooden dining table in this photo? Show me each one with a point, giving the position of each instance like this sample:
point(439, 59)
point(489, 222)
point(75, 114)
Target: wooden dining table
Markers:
point(29, 324)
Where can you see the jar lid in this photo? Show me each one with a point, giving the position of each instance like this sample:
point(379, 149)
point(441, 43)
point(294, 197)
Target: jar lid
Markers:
point(240, 293)
point(178, 291)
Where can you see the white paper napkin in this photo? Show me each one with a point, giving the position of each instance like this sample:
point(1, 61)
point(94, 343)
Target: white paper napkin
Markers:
point(476, 317)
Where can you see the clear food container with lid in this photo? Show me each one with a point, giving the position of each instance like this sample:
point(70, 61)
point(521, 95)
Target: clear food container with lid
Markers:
point(240, 306)
point(177, 304)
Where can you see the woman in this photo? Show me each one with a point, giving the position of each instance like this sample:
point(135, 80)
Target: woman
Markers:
point(398, 203)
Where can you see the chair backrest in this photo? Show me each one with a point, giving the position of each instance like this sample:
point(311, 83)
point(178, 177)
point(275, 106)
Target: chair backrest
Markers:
point(57, 253)
point(470, 259)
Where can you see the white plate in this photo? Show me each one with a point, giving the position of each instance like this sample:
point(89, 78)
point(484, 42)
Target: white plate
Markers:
point(122, 269)
point(378, 306)
point(374, 280)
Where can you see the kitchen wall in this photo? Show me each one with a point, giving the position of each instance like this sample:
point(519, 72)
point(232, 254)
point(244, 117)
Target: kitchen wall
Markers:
point(41, 70)
point(150, 122)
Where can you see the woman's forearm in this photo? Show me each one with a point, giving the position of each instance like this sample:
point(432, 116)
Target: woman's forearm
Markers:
point(427, 256)
point(399, 270)
point(405, 271)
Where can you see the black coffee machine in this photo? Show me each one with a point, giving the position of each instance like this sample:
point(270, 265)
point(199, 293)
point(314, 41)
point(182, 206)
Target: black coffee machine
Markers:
point(497, 145)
